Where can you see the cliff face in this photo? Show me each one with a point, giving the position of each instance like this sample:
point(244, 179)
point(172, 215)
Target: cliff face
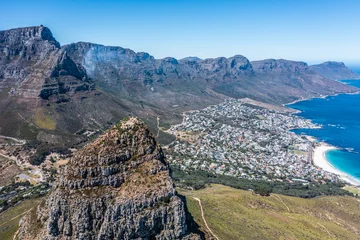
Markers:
point(43, 89)
point(30, 61)
point(120, 70)
point(335, 71)
point(116, 65)
point(117, 187)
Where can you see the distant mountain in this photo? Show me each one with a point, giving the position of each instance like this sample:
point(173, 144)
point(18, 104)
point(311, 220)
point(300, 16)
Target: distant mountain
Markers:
point(191, 59)
point(335, 71)
point(117, 187)
point(48, 93)
point(114, 68)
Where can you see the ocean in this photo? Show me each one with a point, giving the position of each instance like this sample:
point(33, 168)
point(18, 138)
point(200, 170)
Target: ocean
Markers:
point(340, 118)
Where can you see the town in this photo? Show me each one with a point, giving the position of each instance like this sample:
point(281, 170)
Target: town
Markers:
point(245, 141)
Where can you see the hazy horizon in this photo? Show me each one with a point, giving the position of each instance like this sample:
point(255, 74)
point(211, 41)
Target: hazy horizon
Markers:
point(309, 31)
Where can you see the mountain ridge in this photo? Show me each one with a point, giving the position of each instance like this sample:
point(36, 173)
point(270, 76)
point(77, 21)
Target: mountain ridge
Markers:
point(43, 84)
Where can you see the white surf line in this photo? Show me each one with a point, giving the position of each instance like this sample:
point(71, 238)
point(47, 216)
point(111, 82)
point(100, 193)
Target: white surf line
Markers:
point(203, 217)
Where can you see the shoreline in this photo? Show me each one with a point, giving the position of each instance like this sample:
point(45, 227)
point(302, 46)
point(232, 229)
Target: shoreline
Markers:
point(320, 160)
point(321, 96)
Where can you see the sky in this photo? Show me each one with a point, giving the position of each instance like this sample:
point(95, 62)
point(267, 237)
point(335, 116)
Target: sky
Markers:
point(308, 30)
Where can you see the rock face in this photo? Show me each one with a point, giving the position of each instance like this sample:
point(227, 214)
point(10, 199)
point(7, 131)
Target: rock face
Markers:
point(117, 187)
point(31, 60)
point(335, 71)
point(43, 89)
point(118, 69)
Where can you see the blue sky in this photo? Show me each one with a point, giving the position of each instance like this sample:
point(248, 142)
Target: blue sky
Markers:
point(312, 31)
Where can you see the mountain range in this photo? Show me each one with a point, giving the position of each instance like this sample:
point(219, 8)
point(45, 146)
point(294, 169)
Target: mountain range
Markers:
point(50, 92)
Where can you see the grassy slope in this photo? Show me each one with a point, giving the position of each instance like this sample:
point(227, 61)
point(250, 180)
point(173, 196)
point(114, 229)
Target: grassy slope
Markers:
point(238, 214)
point(353, 190)
point(9, 220)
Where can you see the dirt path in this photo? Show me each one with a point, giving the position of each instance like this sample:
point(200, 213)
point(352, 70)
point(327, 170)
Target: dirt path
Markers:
point(21, 214)
point(203, 217)
point(279, 198)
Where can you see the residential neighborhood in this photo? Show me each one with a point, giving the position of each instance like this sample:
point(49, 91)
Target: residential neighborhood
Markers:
point(245, 141)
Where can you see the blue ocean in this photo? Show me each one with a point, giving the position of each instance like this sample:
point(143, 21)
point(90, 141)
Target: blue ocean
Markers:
point(340, 118)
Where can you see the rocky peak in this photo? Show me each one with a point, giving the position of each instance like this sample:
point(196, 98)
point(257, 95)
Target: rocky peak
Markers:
point(17, 35)
point(239, 62)
point(117, 187)
point(25, 40)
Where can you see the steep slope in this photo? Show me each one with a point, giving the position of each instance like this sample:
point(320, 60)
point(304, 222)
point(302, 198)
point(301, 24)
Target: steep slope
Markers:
point(33, 72)
point(235, 214)
point(295, 80)
point(117, 187)
point(44, 94)
point(335, 71)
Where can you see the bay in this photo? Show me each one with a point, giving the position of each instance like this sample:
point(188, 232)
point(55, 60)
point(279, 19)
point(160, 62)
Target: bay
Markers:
point(340, 119)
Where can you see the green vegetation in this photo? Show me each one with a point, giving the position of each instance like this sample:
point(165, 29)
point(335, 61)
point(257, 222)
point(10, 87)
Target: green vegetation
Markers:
point(237, 214)
point(44, 121)
point(9, 220)
point(44, 149)
point(198, 179)
point(17, 192)
point(353, 190)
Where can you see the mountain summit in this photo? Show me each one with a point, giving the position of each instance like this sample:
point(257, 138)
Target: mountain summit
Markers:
point(117, 187)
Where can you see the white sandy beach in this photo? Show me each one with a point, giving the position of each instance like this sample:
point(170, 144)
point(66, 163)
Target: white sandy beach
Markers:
point(320, 160)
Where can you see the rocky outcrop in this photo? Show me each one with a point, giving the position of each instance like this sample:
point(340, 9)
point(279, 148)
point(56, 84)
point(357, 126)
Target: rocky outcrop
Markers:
point(117, 187)
point(335, 71)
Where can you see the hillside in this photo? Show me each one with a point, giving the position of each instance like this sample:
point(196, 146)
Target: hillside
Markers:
point(238, 214)
point(335, 71)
